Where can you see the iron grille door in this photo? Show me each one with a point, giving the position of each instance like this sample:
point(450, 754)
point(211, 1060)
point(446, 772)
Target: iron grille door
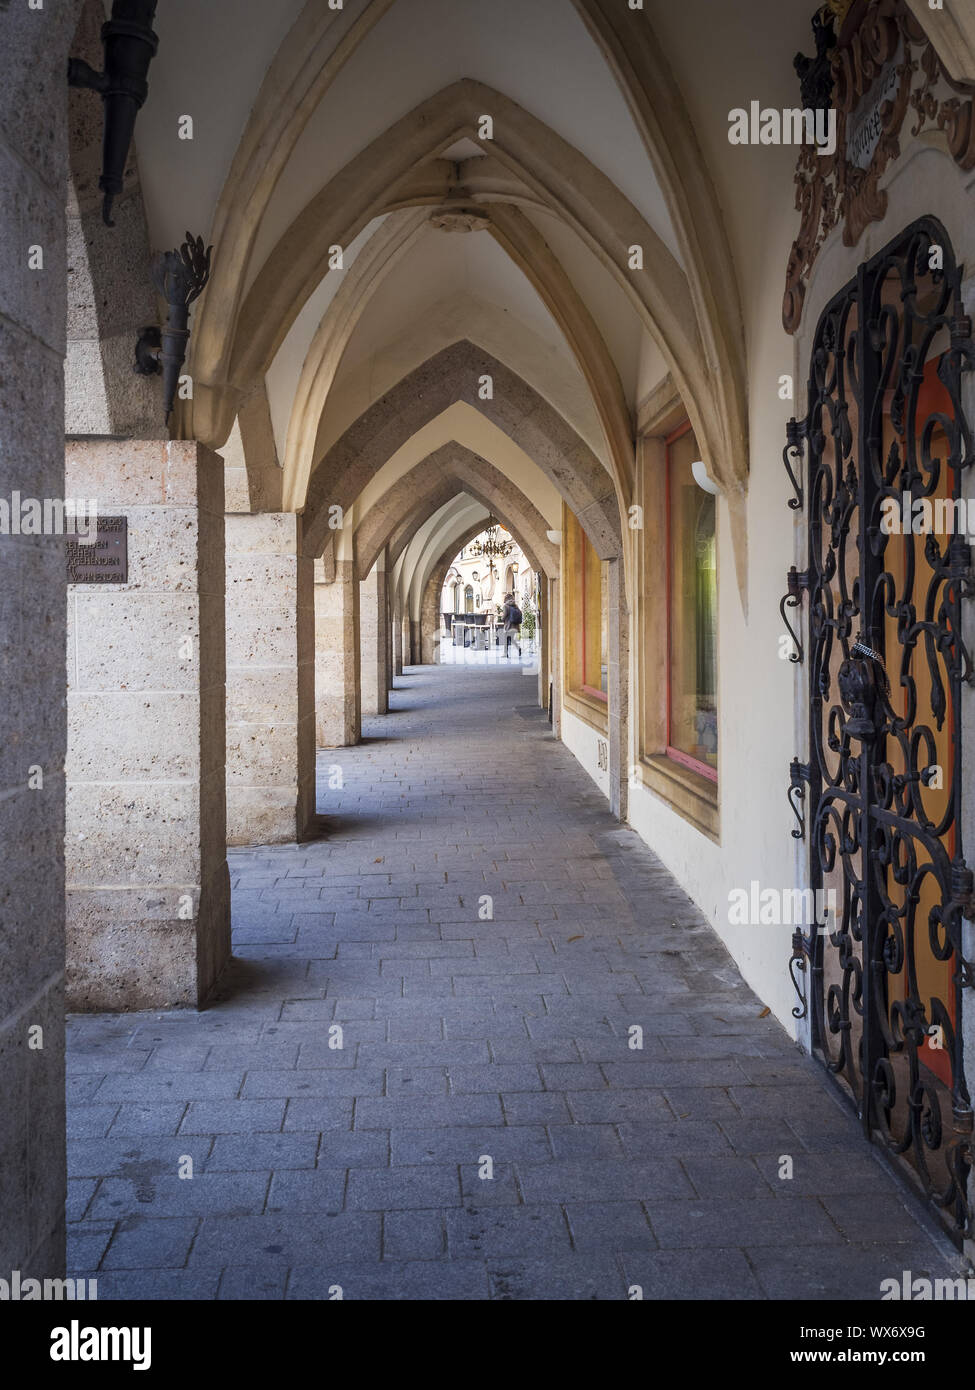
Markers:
point(886, 667)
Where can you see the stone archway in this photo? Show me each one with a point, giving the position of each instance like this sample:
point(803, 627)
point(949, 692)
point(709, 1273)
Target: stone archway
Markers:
point(314, 52)
point(224, 366)
point(426, 487)
point(528, 250)
point(390, 525)
point(514, 406)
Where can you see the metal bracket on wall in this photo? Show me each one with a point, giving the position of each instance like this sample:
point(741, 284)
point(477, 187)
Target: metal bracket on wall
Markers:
point(798, 584)
point(798, 774)
point(147, 350)
point(795, 437)
point(801, 951)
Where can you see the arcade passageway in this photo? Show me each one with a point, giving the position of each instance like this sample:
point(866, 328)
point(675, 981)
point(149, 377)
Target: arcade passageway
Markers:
point(344, 349)
point(471, 1044)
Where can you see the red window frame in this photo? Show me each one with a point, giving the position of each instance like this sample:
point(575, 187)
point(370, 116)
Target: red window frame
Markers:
point(676, 755)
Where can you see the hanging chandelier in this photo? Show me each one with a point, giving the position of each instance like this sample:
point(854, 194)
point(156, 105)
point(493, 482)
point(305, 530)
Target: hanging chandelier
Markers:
point(491, 543)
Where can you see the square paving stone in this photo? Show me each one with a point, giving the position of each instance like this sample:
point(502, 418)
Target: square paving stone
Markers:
point(691, 1274)
point(401, 1188)
point(609, 1227)
point(233, 1116)
point(322, 1190)
point(151, 1243)
point(753, 1221)
point(500, 1231)
point(408, 1280)
point(581, 1277)
point(283, 1239)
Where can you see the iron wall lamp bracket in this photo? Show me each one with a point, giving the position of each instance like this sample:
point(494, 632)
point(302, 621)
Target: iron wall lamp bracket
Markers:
point(180, 277)
point(147, 350)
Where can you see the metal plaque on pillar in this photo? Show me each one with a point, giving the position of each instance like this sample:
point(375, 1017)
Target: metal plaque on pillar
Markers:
point(104, 560)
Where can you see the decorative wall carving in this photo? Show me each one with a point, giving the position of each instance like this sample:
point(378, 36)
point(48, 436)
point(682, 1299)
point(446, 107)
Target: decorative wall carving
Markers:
point(883, 68)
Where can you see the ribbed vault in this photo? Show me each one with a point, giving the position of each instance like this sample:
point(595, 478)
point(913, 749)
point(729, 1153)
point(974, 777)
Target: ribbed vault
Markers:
point(526, 417)
point(424, 489)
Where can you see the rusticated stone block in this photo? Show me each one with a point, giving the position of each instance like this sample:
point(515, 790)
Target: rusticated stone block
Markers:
point(270, 680)
point(148, 902)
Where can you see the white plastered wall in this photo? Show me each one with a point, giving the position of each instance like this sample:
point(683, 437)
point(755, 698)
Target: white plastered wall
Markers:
point(761, 700)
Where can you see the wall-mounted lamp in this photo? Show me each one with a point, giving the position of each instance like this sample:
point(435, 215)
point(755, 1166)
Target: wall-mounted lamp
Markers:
point(130, 46)
point(180, 277)
point(701, 478)
point(555, 537)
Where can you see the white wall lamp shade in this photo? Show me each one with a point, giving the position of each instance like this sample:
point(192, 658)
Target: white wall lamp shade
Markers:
point(701, 478)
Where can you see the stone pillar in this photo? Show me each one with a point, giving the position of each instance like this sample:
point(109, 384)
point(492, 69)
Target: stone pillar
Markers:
point(541, 644)
point(619, 685)
point(430, 624)
point(405, 643)
point(337, 703)
point(373, 642)
point(554, 642)
point(396, 639)
point(33, 308)
point(270, 681)
point(148, 892)
point(416, 643)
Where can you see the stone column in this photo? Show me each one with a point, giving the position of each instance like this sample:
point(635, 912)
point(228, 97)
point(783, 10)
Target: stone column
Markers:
point(541, 644)
point(430, 623)
point(270, 681)
point(619, 686)
point(405, 641)
point(33, 309)
point(148, 892)
point(554, 641)
point(337, 703)
point(373, 641)
point(396, 639)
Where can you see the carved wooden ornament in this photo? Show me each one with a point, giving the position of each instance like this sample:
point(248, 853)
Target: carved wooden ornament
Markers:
point(883, 66)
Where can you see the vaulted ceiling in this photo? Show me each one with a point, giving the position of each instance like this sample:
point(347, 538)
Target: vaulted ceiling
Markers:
point(361, 128)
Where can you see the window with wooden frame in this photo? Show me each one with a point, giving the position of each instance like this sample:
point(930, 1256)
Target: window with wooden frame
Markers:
point(677, 601)
point(692, 600)
point(586, 633)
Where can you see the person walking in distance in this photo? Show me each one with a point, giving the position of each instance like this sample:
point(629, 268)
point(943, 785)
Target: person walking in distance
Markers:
point(511, 616)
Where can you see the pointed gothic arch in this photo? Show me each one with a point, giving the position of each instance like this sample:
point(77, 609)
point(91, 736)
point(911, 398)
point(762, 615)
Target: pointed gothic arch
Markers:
point(515, 407)
point(416, 496)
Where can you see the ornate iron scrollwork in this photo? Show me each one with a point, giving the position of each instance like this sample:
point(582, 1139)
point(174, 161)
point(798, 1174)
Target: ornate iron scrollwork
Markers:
point(887, 661)
point(798, 583)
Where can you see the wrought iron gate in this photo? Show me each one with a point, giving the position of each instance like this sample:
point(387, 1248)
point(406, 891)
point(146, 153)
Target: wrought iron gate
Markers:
point(879, 801)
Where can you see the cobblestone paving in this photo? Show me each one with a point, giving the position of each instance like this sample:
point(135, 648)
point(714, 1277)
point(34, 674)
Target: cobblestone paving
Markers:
point(467, 1039)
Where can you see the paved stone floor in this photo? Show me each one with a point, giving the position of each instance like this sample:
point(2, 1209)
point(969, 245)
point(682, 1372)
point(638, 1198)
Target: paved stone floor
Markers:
point(467, 1042)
